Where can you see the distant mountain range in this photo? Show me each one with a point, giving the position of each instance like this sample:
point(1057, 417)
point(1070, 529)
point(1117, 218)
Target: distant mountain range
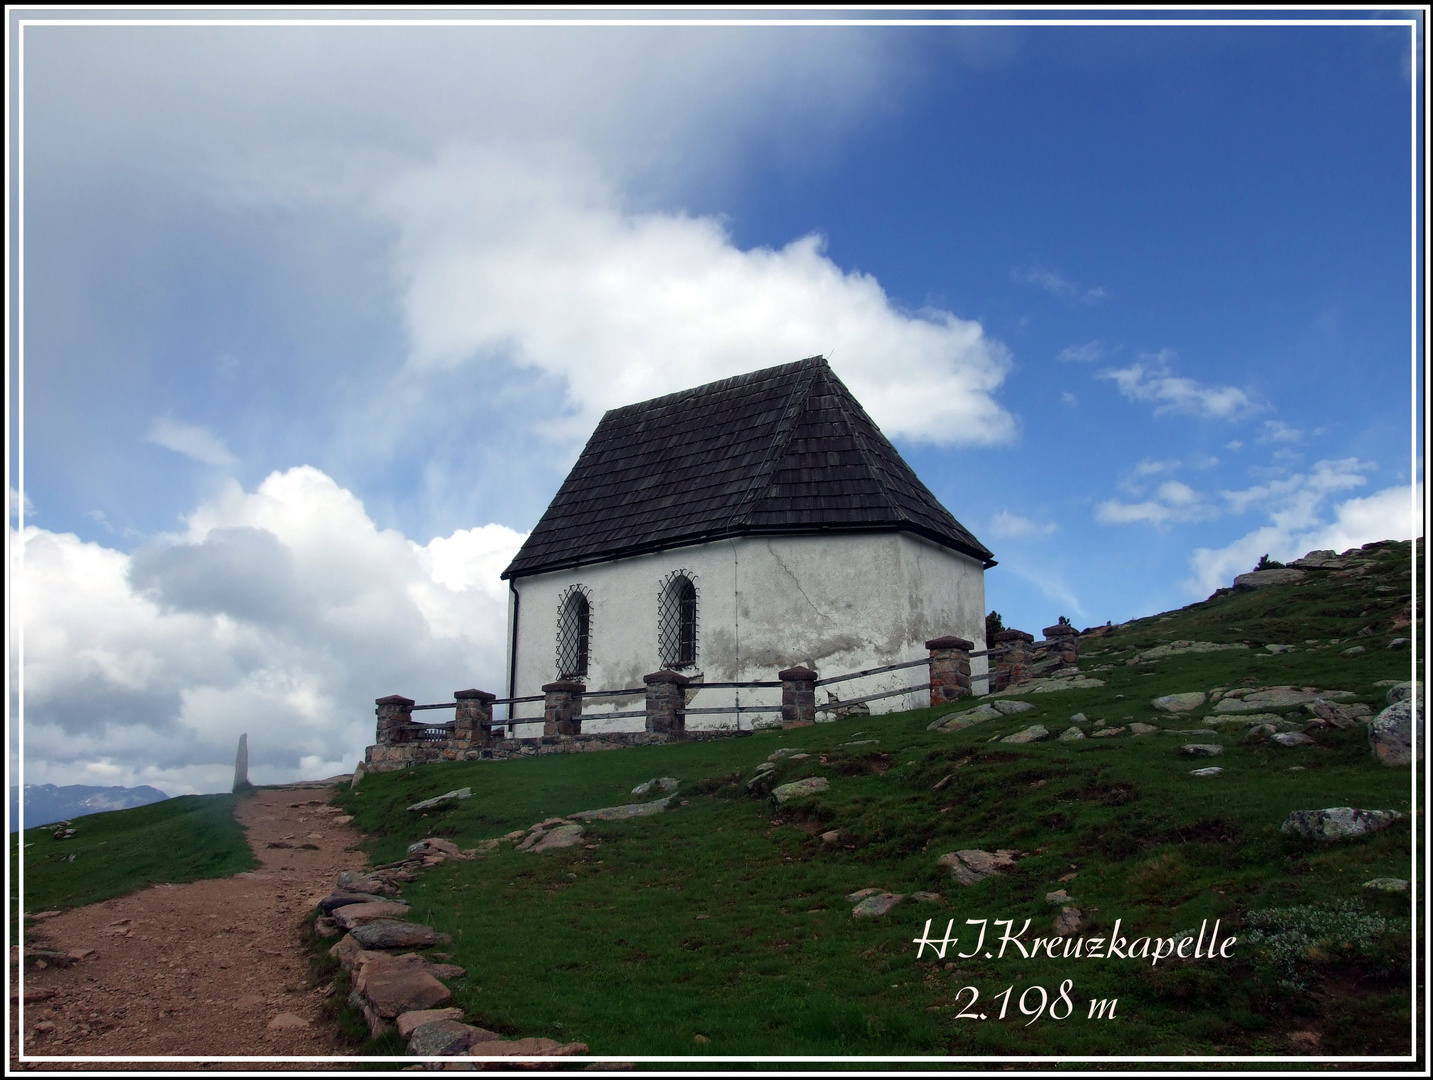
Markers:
point(46, 803)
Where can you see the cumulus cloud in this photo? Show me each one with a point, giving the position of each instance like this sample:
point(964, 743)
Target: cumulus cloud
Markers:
point(535, 261)
point(1005, 525)
point(1151, 379)
point(281, 612)
point(1301, 520)
point(197, 443)
point(1172, 501)
point(1056, 284)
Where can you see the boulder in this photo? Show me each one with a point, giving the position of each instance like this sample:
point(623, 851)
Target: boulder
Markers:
point(1179, 648)
point(537, 1047)
point(1340, 716)
point(958, 721)
point(392, 934)
point(352, 915)
point(785, 751)
point(1280, 649)
point(1142, 729)
point(409, 1021)
point(1387, 884)
point(1059, 896)
point(1390, 733)
point(1259, 579)
point(1337, 823)
point(1070, 734)
point(1321, 560)
point(1201, 749)
point(1400, 691)
point(860, 894)
point(1034, 733)
point(341, 899)
point(1275, 697)
point(972, 865)
point(1356, 650)
point(447, 1037)
point(1291, 738)
point(398, 988)
point(1010, 708)
point(561, 836)
point(660, 783)
point(1107, 732)
point(1212, 770)
point(1069, 921)
point(799, 789)
point(1178, 703)
point(875, 906)
point(445, 799)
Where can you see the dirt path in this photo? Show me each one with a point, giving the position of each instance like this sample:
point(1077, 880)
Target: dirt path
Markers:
point(199, 969)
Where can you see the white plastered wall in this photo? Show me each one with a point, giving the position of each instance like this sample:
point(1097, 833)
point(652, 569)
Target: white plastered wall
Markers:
point(837, 603)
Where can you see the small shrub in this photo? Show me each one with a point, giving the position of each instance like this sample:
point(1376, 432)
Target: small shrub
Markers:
point(1266, 563)
point(994, 624)
point(1301, 940)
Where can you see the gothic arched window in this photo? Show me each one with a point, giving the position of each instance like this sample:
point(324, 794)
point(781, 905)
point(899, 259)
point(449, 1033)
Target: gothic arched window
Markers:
point(574, 631)
point(677, 622)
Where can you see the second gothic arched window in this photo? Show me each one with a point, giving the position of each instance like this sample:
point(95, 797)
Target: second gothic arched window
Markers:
point(677, 622)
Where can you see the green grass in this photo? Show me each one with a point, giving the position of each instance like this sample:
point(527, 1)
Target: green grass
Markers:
point(118, 852)
point(726, 917)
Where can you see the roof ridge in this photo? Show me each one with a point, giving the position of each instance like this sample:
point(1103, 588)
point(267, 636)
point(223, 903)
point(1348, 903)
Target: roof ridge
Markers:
point(786, 428)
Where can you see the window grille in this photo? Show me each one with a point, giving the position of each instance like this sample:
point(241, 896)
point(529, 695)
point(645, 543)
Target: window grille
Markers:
point(677, 622)
point(574, 632)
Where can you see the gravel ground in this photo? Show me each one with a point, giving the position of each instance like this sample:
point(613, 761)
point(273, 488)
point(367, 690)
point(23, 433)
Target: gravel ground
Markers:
point(196, 970)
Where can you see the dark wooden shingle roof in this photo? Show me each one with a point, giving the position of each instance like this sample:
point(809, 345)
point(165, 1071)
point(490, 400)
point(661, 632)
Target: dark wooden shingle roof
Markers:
point(784, 450)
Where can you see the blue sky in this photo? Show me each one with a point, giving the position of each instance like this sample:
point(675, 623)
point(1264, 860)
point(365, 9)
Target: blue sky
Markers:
point(316, 319)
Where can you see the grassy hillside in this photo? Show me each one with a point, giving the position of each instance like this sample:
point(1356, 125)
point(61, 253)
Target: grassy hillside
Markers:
point(726, 918)
point(114, 853)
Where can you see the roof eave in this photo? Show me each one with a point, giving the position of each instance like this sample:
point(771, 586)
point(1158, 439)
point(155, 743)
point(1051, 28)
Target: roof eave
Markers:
point(981, 555)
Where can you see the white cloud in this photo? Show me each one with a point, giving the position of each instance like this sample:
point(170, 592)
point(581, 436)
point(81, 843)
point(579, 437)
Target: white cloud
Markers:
point(535, 261)
point(1278, 431)
point(281, 612)
point(1150, 379)
point(194, 442)
point(14, 504)
point(1069, 399)
point(1005, 525)
point(1173, 502)
point(1294, 502)
point(1087, 353)
point(1299, 524)
point(1056, 284)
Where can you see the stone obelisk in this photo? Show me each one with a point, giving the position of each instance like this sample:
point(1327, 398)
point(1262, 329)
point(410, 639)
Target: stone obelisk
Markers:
point(241, 764)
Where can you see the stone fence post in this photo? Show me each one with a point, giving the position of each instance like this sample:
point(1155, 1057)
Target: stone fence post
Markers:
point(1062, 644)
point(1013, 662)
point(666, 702)
point(798, 696)
point(473, 726)
point(949, 669)
point(395, 714)
point(562, 708)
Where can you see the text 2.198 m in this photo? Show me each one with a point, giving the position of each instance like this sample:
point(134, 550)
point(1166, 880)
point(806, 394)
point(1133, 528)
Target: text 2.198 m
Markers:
point(1059, 1009)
